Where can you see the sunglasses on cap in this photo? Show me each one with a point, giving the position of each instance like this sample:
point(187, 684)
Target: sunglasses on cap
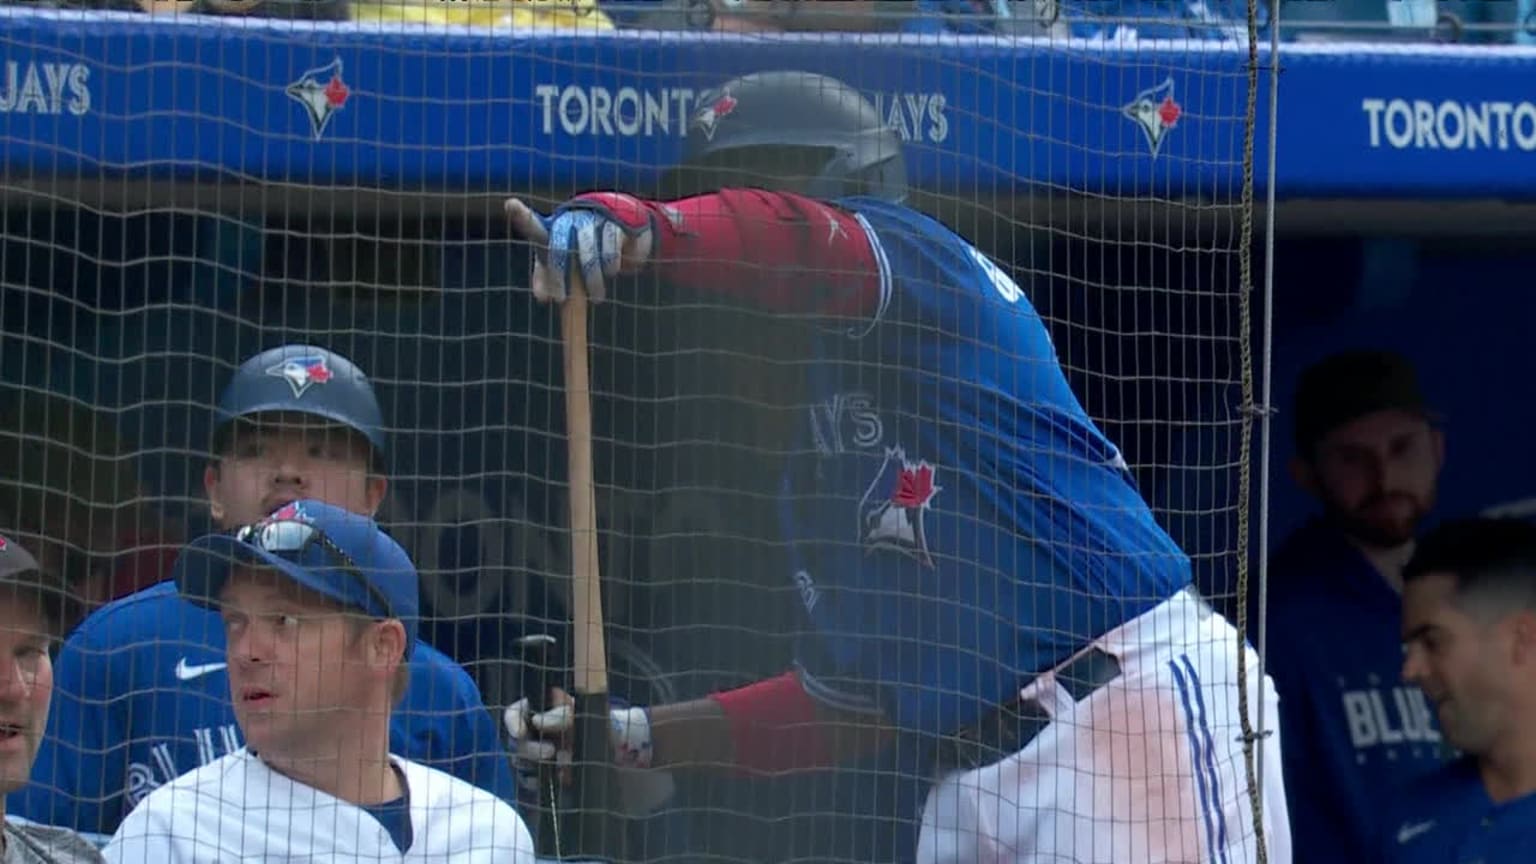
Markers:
point(291, 539)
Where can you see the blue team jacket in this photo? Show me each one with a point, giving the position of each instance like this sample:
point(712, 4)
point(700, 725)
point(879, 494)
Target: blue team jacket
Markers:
point(1351, 731)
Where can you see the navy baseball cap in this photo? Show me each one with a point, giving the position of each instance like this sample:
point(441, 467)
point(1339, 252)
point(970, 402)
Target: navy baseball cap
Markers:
point(303, 379)
point(1351, 384)
point(20, 572)
point(15, 561)
point(327, 549)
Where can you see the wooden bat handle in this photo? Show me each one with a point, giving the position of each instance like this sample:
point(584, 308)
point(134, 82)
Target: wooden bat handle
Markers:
point(595, 833)
point(590, 672)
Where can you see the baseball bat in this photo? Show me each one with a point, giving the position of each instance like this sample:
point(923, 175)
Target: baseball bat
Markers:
point(536, 654)
point(595, 832)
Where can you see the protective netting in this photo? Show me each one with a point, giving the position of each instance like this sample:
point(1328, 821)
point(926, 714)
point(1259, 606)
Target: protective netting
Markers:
point(186, 193)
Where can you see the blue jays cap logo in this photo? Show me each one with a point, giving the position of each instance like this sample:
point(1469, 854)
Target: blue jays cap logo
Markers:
point(891, 511)
point(322, 93)
point(1156, 112)
point(291, 512)
point(302, 373)
point(708, 118)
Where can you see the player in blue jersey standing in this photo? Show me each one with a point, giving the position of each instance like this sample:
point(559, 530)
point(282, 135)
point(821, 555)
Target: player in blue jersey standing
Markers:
point(1469, 629)
point(142, 696)
point(982, 577)
point(1354, 730)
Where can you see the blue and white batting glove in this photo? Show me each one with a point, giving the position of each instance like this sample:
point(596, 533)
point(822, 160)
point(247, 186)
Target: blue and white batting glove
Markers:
point(584, 241)
point(641, 790)
point(597, 235)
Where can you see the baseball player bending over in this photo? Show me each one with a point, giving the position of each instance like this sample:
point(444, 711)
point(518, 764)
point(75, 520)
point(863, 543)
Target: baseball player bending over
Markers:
point(320, 612)
point(142, 694)
point(982, 576)
point(33, 609)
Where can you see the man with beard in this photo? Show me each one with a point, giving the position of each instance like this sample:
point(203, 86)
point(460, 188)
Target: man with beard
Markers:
point(1353, 730)
point(1469, 632)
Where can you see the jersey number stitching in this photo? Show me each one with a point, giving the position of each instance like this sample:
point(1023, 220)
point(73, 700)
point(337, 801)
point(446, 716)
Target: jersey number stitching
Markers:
point(1002, 282)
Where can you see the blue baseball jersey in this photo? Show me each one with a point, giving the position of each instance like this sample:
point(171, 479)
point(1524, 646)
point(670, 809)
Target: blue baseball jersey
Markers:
point(1448, 818)
point(1352, 732)
point(140, 698)
point(959, 524)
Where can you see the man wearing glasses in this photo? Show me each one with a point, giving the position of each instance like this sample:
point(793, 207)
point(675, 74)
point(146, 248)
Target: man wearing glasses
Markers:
point(319, 609)
point(142, 693)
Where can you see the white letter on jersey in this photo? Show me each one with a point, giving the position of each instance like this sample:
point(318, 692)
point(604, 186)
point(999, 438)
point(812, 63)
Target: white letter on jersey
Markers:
point(808, 594)
point(1001, 281)
point(1362, 728)
point(858, 410)
point(1411, 716)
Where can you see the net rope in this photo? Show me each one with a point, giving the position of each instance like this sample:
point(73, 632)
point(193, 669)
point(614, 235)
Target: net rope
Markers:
point(1250, 409)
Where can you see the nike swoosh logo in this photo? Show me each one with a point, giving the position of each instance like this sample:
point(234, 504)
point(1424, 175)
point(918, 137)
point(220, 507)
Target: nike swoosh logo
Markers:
point(1408, 832)
point(185, 672)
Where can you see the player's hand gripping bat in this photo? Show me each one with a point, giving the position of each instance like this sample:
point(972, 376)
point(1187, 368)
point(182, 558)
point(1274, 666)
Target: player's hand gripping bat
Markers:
point(538, 658)
point(591, 829)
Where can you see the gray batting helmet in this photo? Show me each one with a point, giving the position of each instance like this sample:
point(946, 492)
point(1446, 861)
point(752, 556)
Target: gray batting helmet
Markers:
point(822, 124)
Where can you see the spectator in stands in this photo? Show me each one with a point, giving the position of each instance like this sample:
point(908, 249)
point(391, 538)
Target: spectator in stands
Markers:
point(1010, 17)
point(304, 10)
point(34, 607)
point(1368, 449)
point(1120, 21)
point(71, 479)
point(1422, 21)
point(1469, 632)
point(519, 14)
point(516, 14)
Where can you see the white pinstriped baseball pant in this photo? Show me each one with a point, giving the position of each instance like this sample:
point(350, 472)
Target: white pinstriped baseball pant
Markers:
point(1147, 769)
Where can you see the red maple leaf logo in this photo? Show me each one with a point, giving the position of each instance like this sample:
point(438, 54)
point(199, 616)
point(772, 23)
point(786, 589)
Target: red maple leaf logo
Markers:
point(285, 513)
point(318, 373)
point(4, 543)
point(1169, 112)
point(336, 92)
point(724, 105)
point(914, 486)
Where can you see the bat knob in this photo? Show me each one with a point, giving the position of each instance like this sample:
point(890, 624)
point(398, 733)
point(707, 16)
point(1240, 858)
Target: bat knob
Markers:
point(536, 644)
point(537, 654)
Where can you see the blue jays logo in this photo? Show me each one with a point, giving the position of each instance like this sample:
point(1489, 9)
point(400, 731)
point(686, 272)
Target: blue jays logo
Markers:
point(291, 512)
point(322, 93)
point(1156, 112)
point(891, 511)
point(710, 116)
point(282, 530)
point(302, 373)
